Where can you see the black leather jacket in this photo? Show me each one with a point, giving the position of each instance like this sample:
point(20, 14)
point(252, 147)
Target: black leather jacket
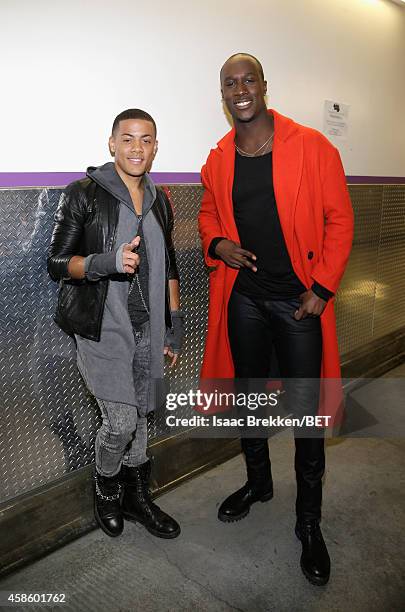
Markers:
point(86, 223)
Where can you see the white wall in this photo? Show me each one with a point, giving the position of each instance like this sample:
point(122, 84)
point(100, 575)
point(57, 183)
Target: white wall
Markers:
point(68, 67)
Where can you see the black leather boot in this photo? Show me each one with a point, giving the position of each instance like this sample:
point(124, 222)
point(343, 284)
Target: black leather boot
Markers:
point(315, 561)
point(259, 486)
point(107, 504)
point(138, 507)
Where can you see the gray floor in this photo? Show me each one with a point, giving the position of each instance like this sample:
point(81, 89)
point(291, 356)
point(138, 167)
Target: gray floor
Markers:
point(252, 565)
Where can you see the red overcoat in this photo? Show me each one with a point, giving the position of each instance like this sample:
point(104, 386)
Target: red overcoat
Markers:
point(316, 216)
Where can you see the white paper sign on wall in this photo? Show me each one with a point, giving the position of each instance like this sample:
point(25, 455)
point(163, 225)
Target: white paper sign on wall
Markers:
point(336, 119)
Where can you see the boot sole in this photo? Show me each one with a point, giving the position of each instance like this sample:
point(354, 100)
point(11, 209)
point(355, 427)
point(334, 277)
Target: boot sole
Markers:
point(104, 528)
point(225, 518)
point(158, 534)
point(310, 577)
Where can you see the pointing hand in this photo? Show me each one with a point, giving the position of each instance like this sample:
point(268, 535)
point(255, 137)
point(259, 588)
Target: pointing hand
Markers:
point(130, 259)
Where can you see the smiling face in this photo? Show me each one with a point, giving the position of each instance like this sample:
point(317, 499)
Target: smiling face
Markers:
point(134, 146)
point(243, 88)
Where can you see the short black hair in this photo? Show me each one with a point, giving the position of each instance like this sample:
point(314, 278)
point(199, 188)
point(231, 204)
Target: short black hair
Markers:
point(133, 113)
point(261, 72)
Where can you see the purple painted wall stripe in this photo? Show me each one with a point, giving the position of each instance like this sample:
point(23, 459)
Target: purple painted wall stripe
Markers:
point(376, 180)
point(60, 179)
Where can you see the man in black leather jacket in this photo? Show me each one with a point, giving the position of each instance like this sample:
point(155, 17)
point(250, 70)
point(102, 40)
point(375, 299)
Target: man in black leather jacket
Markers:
point(112, 253)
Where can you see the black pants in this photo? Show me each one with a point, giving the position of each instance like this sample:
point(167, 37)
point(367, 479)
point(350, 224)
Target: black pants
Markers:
point(256, 328)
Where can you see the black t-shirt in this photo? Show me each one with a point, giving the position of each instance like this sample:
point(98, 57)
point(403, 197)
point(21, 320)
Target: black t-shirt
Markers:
point(259, 229)
point(139, 283)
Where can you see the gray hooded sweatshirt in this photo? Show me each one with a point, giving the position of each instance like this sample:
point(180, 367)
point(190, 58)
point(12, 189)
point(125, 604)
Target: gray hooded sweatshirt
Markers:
point(106, 366)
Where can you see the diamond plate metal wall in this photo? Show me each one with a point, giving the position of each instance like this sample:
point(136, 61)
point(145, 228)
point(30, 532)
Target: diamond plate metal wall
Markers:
point(390, 290)
point(194, 297)
point(193, 281)
point(356, 296)
point(48, 420)
point(371, 298)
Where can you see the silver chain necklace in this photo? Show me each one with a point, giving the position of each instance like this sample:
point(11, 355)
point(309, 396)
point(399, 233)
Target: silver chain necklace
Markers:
point(135, 277)
point(139, 289)
point(246, 154)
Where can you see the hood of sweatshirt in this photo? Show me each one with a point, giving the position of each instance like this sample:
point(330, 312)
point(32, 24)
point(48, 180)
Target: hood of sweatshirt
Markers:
point(108, 178)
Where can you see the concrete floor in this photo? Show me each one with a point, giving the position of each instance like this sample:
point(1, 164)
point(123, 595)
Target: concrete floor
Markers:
point(252, 565)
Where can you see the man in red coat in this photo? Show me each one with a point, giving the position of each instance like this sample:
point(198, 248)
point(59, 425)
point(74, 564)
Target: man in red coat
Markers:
point(276, 223)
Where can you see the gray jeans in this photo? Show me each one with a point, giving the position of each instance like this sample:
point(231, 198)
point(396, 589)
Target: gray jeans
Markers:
point(121, 439)
point(123, 435)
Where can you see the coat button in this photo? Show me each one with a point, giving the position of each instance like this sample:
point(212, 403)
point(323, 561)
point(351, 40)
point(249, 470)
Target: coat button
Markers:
point(310, 254)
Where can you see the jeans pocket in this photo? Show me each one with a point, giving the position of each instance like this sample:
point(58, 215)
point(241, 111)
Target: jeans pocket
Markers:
point(141, 334)
point(293, 305)
point(138, 335)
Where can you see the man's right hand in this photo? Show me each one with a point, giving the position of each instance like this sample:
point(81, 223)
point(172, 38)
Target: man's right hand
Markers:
point(130, 260)
point(234, 256)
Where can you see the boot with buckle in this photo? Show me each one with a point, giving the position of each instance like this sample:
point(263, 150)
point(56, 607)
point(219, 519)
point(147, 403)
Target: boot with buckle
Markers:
point(137, 504)
point(315, 561)
point(259, 486)
point(107, 504)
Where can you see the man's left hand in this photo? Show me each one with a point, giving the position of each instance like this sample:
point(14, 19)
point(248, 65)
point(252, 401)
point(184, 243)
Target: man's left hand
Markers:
point(312, 306)
point(174, 337)
point(173, 356)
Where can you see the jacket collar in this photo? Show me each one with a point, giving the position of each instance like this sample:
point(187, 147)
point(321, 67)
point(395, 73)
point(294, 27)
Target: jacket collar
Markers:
point(283, 128)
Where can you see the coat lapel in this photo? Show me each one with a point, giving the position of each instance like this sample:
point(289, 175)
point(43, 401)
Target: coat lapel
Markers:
point(288, 157)
point(225, 184)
